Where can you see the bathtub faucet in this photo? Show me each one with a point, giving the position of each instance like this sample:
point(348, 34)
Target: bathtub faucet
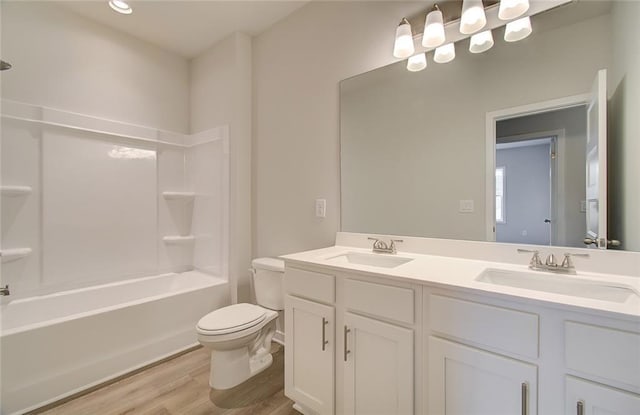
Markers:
point(5, 290)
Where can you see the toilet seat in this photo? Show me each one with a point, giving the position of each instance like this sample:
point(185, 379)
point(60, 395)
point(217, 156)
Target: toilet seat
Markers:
point(231, 319)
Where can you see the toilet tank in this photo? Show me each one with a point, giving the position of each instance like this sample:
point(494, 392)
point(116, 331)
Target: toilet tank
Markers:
point(268, 278)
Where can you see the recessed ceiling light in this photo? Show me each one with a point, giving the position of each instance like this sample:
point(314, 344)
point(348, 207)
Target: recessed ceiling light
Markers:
point(120, 6)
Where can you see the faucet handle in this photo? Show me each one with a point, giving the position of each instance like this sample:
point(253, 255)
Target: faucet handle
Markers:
point(379, 244)
point(551, 261)
point(392, 245)
point(567, 262)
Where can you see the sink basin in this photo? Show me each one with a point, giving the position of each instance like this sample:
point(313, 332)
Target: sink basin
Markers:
point(558, 284)
point(372, 260)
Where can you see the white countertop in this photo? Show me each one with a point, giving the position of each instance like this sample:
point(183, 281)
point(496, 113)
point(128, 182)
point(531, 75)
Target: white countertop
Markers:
point(449, 272)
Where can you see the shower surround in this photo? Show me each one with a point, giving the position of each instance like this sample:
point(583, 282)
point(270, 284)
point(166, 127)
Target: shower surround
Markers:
point(88, 202)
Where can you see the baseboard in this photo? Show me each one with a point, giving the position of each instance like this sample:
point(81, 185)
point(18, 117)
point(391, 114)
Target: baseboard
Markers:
point(278, 337)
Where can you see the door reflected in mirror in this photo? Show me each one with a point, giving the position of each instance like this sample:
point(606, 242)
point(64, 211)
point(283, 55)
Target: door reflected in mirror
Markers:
point(540, 161)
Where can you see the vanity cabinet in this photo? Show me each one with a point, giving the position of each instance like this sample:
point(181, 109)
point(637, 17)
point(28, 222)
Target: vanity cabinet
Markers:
point(467, 380)
point(362, 343)
point(481, 377)
point(608, 363)
point(350, 343)
point(310, 353)
point(589, 398)
point(378, 367)
point(501, 356)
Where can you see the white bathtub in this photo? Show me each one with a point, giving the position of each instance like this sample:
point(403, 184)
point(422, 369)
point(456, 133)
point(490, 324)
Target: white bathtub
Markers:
point(56, 345)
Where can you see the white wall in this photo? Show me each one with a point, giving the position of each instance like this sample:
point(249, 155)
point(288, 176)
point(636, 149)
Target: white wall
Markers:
point(221, 95)
point(624, 141)
point(298, 64)
point(68, 62)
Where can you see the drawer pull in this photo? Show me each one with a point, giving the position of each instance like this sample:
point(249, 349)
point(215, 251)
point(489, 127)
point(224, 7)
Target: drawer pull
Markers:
point(525, 398)
point(324, 334)
point(580, 408)
point(346, 350)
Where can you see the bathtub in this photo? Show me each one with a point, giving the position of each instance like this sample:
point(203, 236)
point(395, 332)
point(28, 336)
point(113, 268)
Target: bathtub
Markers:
point(56, 345)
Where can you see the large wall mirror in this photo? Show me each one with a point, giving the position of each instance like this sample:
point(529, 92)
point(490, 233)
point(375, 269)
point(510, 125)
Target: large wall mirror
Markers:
point(418, 158)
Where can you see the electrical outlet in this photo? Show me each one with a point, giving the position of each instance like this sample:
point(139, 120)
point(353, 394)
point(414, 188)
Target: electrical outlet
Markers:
point(321, 208)
point(466, 206)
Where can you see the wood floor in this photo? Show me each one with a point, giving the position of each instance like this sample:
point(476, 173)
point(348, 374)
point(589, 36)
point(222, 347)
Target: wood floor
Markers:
point(181, 386)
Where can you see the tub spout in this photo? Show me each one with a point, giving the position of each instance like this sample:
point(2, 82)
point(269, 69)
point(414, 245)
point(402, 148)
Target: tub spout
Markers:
point(5, 290)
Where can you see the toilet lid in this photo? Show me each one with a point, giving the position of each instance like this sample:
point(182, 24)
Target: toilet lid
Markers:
point(232, 318)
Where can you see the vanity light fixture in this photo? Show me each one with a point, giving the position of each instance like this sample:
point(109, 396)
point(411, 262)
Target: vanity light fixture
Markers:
point(510, 9)
point(433, 29)
point(473, 17)
point(417, 62)
point(517, 30)
point(120, 6)
point(403, 46)
point(445, 53)
point(481, 42)
point(472, 24)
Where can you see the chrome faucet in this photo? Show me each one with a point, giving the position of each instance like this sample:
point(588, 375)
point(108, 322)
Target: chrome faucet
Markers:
point(550, 264)
point(384, 248)
point(5, 290)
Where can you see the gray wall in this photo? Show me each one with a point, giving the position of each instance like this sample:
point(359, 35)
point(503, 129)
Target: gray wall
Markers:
point(624, 122)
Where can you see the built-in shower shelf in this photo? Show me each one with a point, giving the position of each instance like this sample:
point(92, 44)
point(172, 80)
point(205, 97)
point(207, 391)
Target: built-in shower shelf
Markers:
point(178, 195)
point(9, 255)
point(178, 240)
point(15, 190)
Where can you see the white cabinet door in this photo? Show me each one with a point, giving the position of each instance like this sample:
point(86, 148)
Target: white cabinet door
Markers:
point(378, 367)
point(310, 354)
point(468, 381)
point(588, 398)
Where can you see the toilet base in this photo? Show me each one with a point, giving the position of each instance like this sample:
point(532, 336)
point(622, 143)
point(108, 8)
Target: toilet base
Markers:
point(232, 367)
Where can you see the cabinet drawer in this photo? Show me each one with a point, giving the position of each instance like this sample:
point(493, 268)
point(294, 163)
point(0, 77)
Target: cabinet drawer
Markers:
point(500, 328)
point(387, 301)
point(603, 352)
point(310, 284)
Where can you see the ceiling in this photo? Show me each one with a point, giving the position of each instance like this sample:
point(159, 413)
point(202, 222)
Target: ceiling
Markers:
point(187, 27)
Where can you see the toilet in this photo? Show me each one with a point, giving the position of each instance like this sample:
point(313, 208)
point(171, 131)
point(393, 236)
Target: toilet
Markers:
point(239, 336)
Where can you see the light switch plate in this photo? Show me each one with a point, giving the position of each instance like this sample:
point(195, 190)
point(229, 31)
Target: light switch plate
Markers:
point(321, 208)
point(466, 206)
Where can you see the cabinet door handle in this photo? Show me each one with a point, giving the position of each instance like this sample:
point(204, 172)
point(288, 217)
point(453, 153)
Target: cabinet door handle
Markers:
point(346, 350)
point(580, 408)
point(525, 398)
point(324, 334)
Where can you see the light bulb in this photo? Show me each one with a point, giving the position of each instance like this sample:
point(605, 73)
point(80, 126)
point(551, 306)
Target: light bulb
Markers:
point(481, 42)
point(417, 62)
point(518, 29)
point(403, 46)
point(473, 17)
point(510, 9)
point(445, 53)
point(120, 6)
point(433, 30)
